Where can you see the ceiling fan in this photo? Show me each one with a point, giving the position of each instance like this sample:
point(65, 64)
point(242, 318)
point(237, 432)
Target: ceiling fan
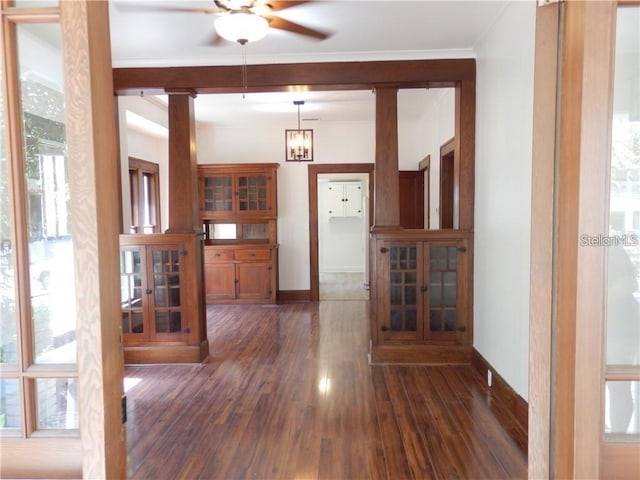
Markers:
point(245, 21)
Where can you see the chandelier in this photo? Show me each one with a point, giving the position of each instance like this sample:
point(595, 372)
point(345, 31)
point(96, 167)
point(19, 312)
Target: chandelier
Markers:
point(299, 142)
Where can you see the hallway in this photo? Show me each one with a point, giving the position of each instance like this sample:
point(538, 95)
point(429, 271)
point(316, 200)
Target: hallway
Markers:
point(288, 394)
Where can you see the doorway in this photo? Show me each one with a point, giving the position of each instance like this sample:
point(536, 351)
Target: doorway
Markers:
point(338, 232)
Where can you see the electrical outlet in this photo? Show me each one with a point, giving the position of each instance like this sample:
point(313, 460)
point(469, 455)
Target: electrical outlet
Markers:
point(489, 379)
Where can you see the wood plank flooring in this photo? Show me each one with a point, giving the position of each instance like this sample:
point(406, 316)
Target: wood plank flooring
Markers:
point(288, 394)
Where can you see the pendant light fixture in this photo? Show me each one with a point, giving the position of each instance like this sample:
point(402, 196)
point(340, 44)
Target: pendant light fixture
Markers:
point(299, 142)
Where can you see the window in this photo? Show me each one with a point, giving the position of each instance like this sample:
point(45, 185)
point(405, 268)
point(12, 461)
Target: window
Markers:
point(38, 375)
point(144, 184)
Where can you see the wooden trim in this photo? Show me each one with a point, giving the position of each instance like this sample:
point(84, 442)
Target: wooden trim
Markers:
point(425, 166)
point(620, 461)
point(447, 148)
point(502, 391)
point(41, 458)
point(142, 167)
point(279, 77)
point(294, 296)
point(593, 217)
point(93, 181)
point(542, 238)
point(312, 178)
point(162, 354)
point(419, 355)
point(465, 139)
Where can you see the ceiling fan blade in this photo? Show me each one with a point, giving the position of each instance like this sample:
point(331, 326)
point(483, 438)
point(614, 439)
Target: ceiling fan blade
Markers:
point(277, 5)
point(146, 8)
point(282, 24)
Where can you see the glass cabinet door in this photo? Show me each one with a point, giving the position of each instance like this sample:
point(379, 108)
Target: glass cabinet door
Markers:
point(404, 264)
point(151, 293)
point(253, 193)
point(166, 293)
point(132, 288)
point(445, 319)
point(217, 191)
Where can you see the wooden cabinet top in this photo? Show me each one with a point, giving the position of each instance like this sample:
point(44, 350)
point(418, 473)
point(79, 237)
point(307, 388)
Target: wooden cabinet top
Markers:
point(231, 168)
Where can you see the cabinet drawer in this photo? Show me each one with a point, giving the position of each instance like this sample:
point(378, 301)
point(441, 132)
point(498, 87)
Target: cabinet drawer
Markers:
point(217, 255)
point(244, 254)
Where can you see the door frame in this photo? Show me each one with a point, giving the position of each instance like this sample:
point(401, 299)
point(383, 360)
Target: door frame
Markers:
point(313, 171)
point(449, 149)
point(425, 167)
point(575, 44)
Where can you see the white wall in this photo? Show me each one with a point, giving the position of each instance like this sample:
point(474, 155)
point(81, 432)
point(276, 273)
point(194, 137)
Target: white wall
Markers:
point(438, 127)
point(503, 192)
point(335, 142)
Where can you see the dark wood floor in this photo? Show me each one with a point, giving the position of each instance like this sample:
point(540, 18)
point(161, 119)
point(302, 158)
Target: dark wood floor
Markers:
point(288, 394)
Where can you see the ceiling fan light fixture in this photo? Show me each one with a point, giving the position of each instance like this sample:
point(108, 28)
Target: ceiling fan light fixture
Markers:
point(241, 27)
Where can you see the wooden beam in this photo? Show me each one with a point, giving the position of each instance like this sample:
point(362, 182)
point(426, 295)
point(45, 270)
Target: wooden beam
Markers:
point(279, 77)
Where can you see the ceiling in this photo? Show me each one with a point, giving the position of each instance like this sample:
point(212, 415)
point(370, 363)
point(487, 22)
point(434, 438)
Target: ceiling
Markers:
point(143, 35)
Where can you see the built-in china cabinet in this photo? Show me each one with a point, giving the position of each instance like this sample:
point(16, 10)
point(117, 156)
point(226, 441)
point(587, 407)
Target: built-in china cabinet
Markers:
point(238, 207)
point(163, 318)
point(422, 285)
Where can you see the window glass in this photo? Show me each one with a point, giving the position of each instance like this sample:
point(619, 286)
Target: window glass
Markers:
point(8, 339)
point(57, 403)
point(623, 241)
point(36, 3)
point(9, 404)
point(51, 276)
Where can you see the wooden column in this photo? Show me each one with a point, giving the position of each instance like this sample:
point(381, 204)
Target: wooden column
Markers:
point(93, 183)
point(464, 165)
point(387, 201)
point(184, 216)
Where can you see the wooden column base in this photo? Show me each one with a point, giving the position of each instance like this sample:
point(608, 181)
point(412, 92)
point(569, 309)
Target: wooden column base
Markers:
point(167, 354)
point(420, 354)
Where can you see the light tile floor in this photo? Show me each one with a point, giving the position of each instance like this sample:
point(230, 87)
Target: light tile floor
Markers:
point(343, 286)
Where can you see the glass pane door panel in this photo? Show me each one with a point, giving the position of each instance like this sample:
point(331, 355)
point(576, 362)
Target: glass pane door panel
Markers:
point(10, 417)
point(622, 408)
point(8, 333)
point(403, 287)
point(51, 269)
point(252, 192)
point(56, 404)
point(218, 194)
point(167, 304)
point(623, 239)
point(622, 243)
point(443, 289)
point(131, 291)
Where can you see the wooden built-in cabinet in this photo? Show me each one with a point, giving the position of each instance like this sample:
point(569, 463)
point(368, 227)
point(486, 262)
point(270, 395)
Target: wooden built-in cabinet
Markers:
point(234, 192)
point(422, 284)
point(163, 318)
point(238, 206)
point(241, 274)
